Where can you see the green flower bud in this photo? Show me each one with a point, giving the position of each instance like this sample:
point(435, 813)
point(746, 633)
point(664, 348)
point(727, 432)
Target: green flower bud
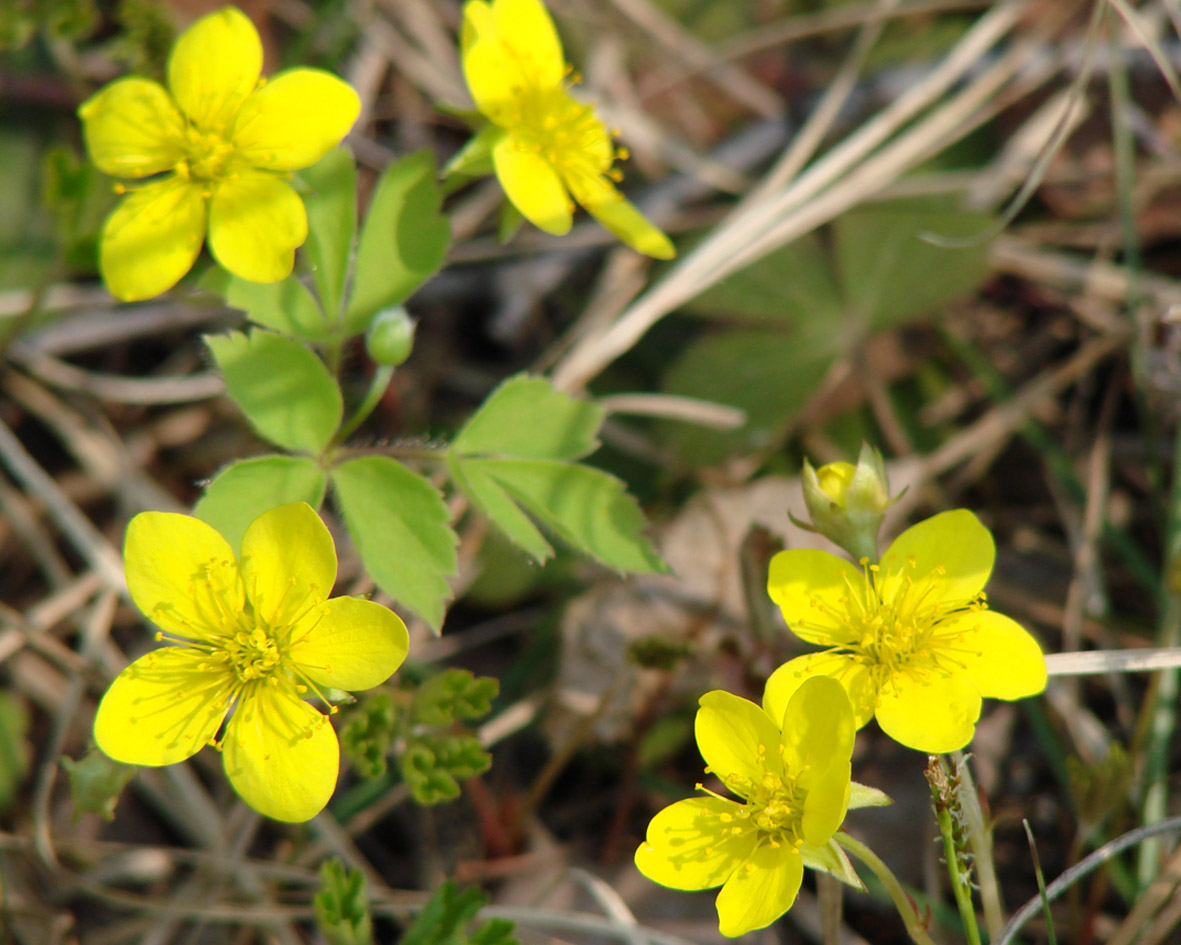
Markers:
point(391, 337)
point(847, 503)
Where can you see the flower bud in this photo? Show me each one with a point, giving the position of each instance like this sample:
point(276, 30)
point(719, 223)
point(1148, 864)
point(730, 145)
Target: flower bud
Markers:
point(847, 502)
point(391, 337)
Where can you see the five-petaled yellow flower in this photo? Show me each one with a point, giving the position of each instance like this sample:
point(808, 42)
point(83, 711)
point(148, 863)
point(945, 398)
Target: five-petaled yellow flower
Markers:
point(792, 773)
point(546, 146)
point(224, 142)
point(255, 635)
point(911, 639)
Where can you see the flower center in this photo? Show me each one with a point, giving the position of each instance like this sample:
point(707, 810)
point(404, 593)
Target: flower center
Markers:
point(901, 624)
point(253, 654)
point(774, 805)
point(563, 131)
point(206, 155)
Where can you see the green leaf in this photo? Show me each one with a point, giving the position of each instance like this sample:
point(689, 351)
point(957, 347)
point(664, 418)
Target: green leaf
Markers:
point(831, 859)
point(446, 915)
point(285, 306)
point(400, 525)
point(368, 732)
point(245, 489)
point(474, 159)
point(769, 374)
point(453, 695)
point(587, 508)
point(331, 200)
point(342, 906)
point(890, 275)
point(526, 417)
point(403, 242)
point(428, 781)
point(285, 391)
point(491, 499)
point(793, 284)
point(96, 782)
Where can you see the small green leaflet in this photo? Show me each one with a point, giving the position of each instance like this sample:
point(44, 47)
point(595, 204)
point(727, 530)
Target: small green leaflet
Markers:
point(403, 242)
point(513, 460)
point(331, 201)
point(285, 391)
point(400, 525)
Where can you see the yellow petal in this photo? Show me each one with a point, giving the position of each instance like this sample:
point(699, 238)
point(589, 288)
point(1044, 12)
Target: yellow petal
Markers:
point(214, 66)
point(812, 588)
point(161, 709)
point(527, 30)
point(817, 725)
point(936, 715)
point(619, 216)
point(255, 223)
point(852, 675)
point(761, 890)
point(502, 74)
point(295, 119)
point(818, 733)
point(132, 129)
point(281, 755)
point(532, 185)
point(1004, 661)
point(695, 844)
point(349, 644)
point(182, 575)
point(737, 739)
point(288, 563)
point(152, 239)
point(953, 550)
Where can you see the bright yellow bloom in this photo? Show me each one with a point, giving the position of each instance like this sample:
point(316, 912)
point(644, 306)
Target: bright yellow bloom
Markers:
point(224, 141)
point(546, 146)
point(912, 640)
point(793, 778)
point(253, 634)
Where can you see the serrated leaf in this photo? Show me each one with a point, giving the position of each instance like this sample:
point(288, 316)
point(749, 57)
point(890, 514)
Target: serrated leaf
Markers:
point(454, 694)
point(287, 306)
point(403, 242)
point(428, 782)
point(400, 525)
point(245, 489)
point(331, 200)
point(526, 417)
point(284, 390)
point(890, 275)
point(491, 499)
point(587, 508)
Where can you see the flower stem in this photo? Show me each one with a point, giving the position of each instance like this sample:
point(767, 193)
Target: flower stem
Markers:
point(947, 795)
point(916, 925)
point(980, 839)
point(377, 387)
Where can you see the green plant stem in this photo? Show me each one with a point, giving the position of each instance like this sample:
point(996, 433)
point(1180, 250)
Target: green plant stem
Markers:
point(377, 387)
point(915, 926)
point(961, 887)
point(980, 837)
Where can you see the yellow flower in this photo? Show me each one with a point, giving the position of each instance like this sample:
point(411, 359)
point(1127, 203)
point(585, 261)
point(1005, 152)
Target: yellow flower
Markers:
point(255, 635)
point(546, 146)
point(793, 778)
point(225, 142)
point(912, 640)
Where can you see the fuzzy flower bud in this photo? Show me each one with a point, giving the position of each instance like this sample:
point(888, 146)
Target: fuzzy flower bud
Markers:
point(847, 502)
